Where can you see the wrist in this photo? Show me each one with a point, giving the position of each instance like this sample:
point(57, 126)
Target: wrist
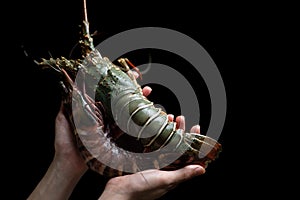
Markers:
point(68, 168)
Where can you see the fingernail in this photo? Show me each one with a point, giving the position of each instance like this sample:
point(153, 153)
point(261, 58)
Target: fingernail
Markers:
point(171, 117)
point(149, 88)
point(135, 74)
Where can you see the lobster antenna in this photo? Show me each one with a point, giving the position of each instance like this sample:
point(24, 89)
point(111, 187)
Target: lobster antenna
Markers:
point(85, 21)
point(86, 41)
point(85, 11)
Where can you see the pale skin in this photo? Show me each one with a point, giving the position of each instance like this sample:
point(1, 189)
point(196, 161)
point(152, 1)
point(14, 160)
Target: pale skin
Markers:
point(67, 167)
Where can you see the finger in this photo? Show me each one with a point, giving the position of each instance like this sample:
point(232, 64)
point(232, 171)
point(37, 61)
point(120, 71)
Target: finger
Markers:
point(146, 90)
point(170, 117)
point(186, 173)
point(135, 74)
point(195, 129)
point(180, 122)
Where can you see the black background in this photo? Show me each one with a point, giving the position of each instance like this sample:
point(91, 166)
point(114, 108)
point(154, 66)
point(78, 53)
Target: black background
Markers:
point(32, 98)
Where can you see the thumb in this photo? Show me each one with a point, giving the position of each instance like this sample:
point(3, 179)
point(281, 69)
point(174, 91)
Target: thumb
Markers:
point(187, 173)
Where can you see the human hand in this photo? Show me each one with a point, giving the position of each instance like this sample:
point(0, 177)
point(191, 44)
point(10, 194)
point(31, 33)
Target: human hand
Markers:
point(68, 166)
point(151, 184)
point(66, 151)
point(148, 184)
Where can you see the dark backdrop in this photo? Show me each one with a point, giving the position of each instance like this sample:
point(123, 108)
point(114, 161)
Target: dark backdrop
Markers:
point(32, 98)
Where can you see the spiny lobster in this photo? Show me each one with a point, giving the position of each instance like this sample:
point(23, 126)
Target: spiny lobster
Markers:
point(120, 107)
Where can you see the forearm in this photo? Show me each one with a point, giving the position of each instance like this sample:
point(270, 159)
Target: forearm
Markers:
point(58, 182)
